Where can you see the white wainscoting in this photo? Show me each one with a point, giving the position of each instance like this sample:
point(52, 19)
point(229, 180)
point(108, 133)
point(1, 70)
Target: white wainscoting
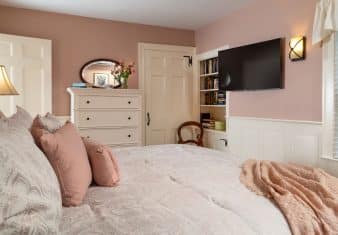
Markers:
point(276, 140)
point(279, 140)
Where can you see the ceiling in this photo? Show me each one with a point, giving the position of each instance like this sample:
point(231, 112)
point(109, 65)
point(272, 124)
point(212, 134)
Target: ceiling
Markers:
point(184, 14)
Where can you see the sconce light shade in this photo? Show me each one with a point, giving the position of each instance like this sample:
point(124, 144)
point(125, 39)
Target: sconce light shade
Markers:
point(297, 48)
point(6, 87)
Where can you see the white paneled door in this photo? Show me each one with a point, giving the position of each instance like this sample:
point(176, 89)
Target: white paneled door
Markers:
point(28, 65)
point(168, 87)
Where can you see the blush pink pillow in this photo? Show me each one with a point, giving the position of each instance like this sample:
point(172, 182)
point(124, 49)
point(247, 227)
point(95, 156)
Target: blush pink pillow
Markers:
point(104, 166)
point(67, 154)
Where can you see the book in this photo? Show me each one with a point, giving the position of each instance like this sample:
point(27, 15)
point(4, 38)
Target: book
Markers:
point(79, 85)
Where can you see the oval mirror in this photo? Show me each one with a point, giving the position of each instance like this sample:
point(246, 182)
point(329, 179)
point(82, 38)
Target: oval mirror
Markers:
point(98, 73)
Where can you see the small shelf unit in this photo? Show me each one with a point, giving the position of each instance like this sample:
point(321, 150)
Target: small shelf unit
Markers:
point(212, 99)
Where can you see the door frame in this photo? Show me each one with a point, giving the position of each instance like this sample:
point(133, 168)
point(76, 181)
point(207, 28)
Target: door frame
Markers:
point(142, 47)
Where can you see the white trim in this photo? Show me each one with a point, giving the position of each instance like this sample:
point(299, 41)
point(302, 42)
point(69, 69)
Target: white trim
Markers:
point(328, 159)
point(276, 120)
point(212, 53)
point(142, 47)
point(328, 109)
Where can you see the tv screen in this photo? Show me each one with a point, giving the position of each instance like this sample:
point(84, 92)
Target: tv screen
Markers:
point(252, 67)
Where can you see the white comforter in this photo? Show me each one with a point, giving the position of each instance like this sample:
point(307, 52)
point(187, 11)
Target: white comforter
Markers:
point(175, 189)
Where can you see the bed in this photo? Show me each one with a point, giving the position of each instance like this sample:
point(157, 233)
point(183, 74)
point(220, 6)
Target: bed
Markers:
point(175, 189)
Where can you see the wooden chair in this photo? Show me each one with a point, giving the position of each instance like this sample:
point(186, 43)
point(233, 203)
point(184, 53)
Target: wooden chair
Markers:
point(199, 141)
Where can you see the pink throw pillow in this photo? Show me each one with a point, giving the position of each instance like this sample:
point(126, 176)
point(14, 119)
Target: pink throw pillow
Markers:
point(67, 154)
point(104, 166)
point(37, 131)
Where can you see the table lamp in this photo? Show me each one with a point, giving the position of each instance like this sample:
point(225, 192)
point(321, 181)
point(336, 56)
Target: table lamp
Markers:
point(6, 87)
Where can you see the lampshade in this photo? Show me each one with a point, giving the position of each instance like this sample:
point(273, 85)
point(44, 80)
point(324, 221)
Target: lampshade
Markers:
point(6, 87)
point(297, 48)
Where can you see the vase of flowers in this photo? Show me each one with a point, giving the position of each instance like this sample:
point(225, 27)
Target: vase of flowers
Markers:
point(122, 72)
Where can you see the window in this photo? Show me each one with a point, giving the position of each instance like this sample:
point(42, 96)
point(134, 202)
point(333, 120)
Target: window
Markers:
point(330, 98)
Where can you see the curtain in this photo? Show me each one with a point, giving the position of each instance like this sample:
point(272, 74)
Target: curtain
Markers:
point(336, 96)
point(326, 20)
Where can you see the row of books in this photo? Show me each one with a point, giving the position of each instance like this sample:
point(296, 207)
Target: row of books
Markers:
point(209, 66)
point(208, 123)
point(214, 98)
point(211, 83)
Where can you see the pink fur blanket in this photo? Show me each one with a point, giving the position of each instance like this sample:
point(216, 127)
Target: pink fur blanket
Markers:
point(307, 197)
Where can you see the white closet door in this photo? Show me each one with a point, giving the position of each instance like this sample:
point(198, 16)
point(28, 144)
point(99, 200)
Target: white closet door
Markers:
point(28, 65)
point(168, 89)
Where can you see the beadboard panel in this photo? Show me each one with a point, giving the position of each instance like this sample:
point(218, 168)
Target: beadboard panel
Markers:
point(276, 140)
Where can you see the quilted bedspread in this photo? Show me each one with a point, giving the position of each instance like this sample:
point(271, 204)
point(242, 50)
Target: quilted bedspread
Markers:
point(175, 189)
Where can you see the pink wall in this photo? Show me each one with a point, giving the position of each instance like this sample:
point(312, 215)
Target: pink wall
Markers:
point(263, 20)
point(77, 40)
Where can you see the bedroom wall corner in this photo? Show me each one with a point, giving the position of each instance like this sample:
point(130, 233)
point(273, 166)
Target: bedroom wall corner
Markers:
point(263, 20)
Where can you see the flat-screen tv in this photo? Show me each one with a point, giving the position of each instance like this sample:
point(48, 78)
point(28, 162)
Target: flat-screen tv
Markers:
point(252, 67)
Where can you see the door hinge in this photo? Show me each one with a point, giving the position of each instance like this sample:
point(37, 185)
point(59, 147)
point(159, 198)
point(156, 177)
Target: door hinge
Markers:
point(189, 59)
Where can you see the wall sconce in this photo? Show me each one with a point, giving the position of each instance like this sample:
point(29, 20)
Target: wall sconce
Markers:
point(297, 48)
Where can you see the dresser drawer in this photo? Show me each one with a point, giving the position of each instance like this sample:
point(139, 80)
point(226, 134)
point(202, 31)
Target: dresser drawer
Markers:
point(108, 102)
point(112, 136)
point(107, 118)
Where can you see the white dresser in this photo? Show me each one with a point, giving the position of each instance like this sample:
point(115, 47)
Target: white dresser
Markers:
point(112, 116)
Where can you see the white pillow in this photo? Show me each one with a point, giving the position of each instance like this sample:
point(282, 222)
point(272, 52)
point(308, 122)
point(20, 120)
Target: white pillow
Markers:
point(30, 198)
point(21, 117)
point(50, 123)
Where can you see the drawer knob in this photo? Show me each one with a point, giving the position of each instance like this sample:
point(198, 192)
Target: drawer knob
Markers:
point(88, 118)
point(129, 136)
point(129, 118)
point(88, 136)
point(129, 102)
point(88, 102)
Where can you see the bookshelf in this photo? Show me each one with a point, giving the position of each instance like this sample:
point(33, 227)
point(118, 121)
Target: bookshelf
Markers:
point(212, 99)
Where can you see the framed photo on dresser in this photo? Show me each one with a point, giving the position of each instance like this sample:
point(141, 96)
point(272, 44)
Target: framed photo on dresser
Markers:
point(101, 79)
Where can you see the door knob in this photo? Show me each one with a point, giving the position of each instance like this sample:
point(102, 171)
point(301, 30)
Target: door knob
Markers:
point(225, 142)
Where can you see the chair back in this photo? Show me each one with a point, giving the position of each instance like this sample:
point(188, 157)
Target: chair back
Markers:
point(198, 141)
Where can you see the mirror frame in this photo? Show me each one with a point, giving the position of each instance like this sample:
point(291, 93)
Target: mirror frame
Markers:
point(97, 60)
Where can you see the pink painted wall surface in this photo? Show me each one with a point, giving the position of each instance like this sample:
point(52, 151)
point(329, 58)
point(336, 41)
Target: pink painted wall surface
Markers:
point(76, 40)
point(263, 20)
